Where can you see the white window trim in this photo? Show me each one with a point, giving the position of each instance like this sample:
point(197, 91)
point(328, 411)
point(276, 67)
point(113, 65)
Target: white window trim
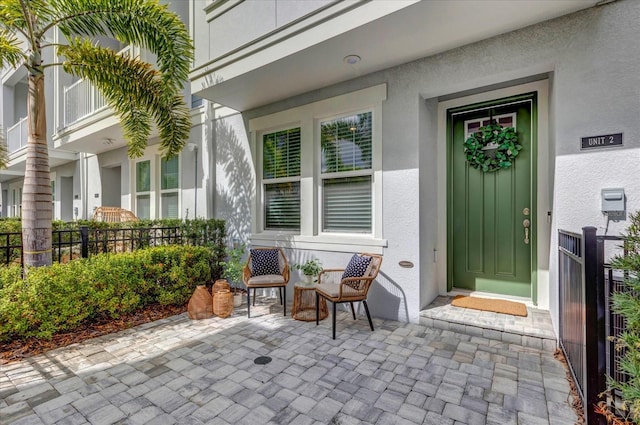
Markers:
point(260, 173)
point(152, 154)
point(308, 118)
point(376, 141)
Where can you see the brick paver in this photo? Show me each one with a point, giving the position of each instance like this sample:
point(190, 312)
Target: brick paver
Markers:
point(202, 372)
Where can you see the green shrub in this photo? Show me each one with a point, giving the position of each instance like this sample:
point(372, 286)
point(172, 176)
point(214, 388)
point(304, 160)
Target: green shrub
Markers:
point(63, 296)
point(117, 282)
point(626, 303)
point(51, 299)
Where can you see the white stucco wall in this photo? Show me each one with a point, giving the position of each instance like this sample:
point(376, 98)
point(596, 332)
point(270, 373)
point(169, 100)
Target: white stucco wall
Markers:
point(235, 173)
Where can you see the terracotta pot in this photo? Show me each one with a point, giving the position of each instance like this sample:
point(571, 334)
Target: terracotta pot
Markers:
point(200, 304)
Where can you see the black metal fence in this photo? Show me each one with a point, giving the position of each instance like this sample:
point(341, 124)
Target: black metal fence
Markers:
point(83, 242)
point(586, 321)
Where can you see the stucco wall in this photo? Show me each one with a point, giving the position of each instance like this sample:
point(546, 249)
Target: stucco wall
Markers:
point(235, 174)
point(590, 59)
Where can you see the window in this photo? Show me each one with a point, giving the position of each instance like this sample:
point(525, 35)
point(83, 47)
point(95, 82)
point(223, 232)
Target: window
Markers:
point(281, 179)
point(319, 177)
point(169, 187)
point(157, 186)
point(346, 145)
point(143, 189)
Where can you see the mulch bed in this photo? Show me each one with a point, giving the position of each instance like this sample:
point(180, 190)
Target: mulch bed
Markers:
point(14, 351)
point(574, 399)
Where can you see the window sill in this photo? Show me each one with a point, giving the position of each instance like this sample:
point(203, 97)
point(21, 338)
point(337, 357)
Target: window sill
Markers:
point(337, 243)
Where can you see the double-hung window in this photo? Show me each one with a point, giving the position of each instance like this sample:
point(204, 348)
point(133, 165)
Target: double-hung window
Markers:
point(346, 145)
point(169, 187)
point(281, 179)
point(143, 189)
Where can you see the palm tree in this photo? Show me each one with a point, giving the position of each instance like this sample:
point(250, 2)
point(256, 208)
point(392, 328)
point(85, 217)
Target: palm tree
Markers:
point(138, 93)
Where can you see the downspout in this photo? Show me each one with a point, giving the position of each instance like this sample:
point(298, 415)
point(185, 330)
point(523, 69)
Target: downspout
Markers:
point(195, 185)
point(194, 148)
point(85, 191)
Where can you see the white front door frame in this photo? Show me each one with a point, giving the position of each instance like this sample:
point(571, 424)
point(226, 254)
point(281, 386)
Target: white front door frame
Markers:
point(544, 189)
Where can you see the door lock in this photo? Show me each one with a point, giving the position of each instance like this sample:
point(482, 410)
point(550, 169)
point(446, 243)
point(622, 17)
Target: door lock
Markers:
point(525, 211)
point(526, 224)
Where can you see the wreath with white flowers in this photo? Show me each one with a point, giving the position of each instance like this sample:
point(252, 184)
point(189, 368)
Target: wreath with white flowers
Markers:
point(492, 137)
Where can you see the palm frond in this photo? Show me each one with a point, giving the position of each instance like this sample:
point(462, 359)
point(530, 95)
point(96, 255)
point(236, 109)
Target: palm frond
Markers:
point(144, 23)
point(11, 15)
point(137, 93)
point(10, 51)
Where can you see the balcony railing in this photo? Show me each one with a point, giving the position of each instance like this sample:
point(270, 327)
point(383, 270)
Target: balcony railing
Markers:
point(17, 136)
point(82, 98)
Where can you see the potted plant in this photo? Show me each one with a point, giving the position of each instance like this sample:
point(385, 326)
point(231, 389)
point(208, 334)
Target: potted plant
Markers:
point(311, 269)
point(232, 271)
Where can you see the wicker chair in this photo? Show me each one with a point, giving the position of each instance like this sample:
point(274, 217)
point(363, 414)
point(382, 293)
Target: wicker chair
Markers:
point(113, 215)
point(332, 287)
point(266, 280)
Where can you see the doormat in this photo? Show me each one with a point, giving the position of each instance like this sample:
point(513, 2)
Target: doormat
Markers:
point(485, 304)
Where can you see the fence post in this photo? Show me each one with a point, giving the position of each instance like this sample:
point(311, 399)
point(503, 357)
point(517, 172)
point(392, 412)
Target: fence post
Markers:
point(84, 239)
point(595, 353)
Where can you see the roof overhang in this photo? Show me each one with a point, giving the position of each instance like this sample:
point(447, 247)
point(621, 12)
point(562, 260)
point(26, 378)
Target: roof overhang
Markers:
point(298, 58)
point(18, 161)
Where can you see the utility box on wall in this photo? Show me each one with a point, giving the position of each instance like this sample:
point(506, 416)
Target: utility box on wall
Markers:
point(613, 201)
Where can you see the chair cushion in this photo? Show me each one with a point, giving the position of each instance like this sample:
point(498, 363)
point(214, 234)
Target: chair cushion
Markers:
point(264, 262)
point(357, 266)
point(266, 279)
point(332, 290)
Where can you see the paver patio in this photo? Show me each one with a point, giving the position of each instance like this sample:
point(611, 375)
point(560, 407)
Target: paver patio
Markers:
point(202, 372)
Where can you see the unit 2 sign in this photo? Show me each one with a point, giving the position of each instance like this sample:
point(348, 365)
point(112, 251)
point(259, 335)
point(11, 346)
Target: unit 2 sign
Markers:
point(604, 141)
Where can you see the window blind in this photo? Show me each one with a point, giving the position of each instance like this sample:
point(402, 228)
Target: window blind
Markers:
point(346, 143)
point(347, 205)
point(281, 160)
point(281, 154)
point(143, 207)
point(169, 205)
point(282, 206)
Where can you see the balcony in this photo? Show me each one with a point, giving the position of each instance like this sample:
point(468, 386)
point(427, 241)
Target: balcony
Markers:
point(83, 99)
point(16, 141)
point(17, 136)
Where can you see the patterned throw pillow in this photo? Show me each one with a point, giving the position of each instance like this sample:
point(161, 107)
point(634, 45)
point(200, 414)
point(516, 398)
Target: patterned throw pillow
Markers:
point(264, 261)
point(357, 266)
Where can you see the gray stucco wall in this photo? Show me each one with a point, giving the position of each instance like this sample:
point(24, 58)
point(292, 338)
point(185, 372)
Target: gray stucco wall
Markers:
point(591, 60)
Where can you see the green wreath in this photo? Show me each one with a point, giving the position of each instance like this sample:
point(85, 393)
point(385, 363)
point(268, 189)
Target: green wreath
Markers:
point(502, 140)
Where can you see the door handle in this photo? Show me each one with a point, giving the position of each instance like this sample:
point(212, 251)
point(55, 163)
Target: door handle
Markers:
point(526, 224)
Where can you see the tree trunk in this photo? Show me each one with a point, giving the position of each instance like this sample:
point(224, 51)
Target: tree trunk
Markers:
point(36, 193)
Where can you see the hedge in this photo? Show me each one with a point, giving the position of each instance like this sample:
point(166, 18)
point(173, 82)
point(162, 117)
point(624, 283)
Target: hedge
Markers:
point(63, 296)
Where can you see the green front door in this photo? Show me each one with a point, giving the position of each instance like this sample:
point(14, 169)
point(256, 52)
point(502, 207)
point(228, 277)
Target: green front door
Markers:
point(491, 223)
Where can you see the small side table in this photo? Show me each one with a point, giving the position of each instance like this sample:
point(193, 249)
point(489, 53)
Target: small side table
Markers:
point(304, 303)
